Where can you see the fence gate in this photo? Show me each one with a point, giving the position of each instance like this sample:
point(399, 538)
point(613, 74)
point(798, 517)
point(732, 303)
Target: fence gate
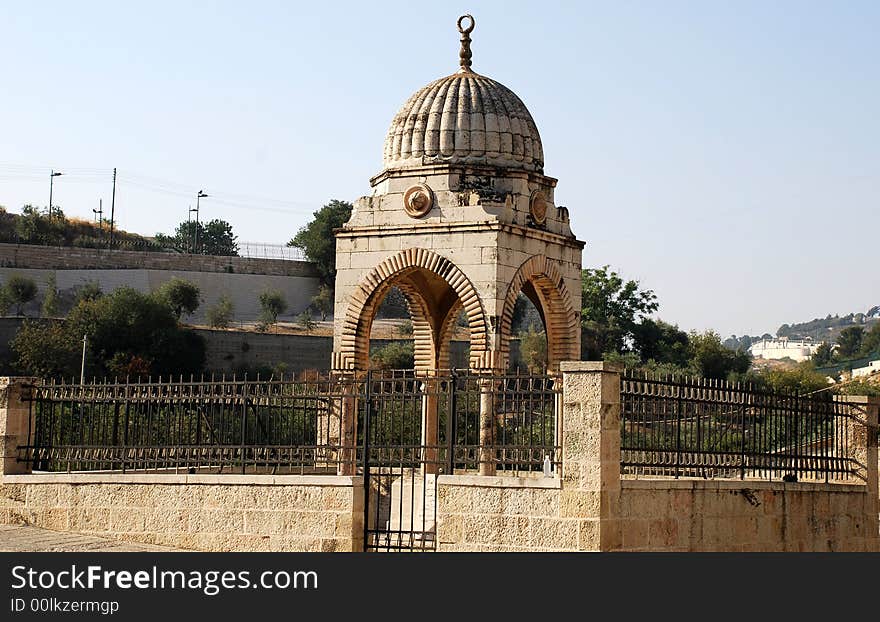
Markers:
point(417, 426)
point(402, 457)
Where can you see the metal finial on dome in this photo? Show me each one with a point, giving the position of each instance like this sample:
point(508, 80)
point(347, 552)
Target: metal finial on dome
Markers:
point(465, 54)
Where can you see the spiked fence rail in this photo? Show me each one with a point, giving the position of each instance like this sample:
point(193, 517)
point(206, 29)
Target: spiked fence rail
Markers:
point(686, 427)
point(307, 425)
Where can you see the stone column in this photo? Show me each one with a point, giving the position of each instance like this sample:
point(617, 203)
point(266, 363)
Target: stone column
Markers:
point(345, 408)
point(863, 444)
point(487, 426)
point(591, 452)
point(16, 422)
point(430, 426)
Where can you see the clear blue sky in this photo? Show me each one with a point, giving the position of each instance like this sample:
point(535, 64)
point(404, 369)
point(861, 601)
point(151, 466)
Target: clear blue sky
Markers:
point(726, 154)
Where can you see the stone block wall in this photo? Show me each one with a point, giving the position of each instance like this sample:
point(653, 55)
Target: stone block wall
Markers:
point(585, 507)
point(72, 258)
point(198, 512)
point(479, 513)
point(242, 289)
point(726, 515)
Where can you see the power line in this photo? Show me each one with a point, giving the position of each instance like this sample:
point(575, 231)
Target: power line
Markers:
point(90, 175)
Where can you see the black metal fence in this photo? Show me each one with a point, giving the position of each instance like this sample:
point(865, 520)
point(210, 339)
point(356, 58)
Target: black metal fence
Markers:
point(705, 428)
point(325, 423)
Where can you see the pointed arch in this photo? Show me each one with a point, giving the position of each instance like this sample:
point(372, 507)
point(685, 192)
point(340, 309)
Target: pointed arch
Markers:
point(540, 277)
point(401, 270)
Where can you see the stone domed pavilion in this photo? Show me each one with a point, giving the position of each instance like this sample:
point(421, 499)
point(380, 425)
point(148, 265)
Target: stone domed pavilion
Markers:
point(461, 217)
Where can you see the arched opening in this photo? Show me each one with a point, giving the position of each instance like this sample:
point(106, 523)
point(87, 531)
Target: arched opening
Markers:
point(528, 335)
point(436, 293)
point(539, 281)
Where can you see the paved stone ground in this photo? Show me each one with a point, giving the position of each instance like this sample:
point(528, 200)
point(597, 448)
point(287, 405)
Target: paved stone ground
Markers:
point(23, 538)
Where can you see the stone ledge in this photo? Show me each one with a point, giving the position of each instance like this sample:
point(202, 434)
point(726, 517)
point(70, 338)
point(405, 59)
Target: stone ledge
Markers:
point(162, 478)
point(575, 366)
point(487, 481)
point(701, 484)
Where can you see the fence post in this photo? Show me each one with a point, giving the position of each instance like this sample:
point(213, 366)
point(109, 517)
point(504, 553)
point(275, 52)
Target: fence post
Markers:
point(430, 440)
point(450, 425)
point(16, 423)
point(487, 425)
point(591, 451)
point(862, 437)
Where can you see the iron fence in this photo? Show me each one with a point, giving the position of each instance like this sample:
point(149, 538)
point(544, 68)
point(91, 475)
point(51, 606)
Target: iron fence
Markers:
point(265, 250)
point(444, 421)
point(278, 426)
point(690, 427)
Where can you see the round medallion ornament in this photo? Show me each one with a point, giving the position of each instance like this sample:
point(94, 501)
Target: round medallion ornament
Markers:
point(538, 207)
point(418, 200)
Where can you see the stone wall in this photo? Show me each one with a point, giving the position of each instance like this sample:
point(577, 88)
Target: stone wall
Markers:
point(233, 350)
point(592, 508)
point(242, 289)
point(585, 507)
point(228, 351)
point(479, 513)
point(718, 515)
point(72, 258)
point(199, 512)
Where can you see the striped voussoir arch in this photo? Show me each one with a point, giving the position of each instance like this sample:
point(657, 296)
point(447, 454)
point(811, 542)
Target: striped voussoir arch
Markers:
point(365, 300)
point(562, 321)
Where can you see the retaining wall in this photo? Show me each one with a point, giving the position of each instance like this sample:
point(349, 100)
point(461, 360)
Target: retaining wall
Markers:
point(73, 258)
point(199, 512)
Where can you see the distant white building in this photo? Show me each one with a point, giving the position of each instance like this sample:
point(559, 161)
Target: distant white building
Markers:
point(871, 368)
point(784, 348)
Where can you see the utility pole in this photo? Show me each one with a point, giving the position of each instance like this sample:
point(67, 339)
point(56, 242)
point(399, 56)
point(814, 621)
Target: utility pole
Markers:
point(52, 176)
point(113, 208)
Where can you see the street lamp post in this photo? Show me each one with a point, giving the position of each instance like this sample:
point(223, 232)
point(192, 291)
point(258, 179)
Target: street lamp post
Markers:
point(200, 195)
point(99, 214)
point(52, 177)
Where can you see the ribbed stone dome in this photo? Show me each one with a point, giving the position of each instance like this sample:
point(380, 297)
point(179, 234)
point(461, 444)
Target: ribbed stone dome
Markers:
point(464, 118)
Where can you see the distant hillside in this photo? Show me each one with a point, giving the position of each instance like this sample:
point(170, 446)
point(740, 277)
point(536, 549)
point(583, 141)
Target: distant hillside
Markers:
point(828, 328)
point(819, 329)
point(33, 226)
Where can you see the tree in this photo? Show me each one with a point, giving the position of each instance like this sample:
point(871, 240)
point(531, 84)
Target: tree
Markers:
point(405, 328)
point(212, 238)
point(21, 290)
point(393, 306)
point(394, 355)
point(317, 239)
point(871, 340)
point(802, 379)
point(661, 342)
point(610, 309)
point(127, 332)
point(533, 349)
point(323, 301)
point(823, 355)
point(218, 239)
point(88, 291)
point(220, 315)
point(34, 227)
point(710, 359)
point(46, 349)
point(182, 297)
point(849, 342)
point(272, 303)
point(50, 298)
point(305, 321)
